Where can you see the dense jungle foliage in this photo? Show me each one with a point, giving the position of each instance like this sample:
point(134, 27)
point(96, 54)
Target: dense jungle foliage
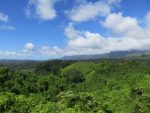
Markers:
point(105, 86)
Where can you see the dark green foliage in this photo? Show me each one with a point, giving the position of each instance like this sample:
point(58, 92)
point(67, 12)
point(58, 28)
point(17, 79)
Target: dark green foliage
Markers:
point(74, 76)
point(4, 75)
point(51, 66)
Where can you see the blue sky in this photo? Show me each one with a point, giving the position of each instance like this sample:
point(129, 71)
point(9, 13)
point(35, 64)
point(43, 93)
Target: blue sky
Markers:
point(45, 29)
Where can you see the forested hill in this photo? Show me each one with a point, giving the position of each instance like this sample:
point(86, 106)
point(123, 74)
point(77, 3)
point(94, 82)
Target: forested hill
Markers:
point(99, 86)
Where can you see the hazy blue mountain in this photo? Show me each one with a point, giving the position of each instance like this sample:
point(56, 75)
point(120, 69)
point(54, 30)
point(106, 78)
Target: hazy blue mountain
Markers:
point(111, 55)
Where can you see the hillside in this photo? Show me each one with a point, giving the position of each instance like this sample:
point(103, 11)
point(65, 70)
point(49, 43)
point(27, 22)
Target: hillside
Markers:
point(106, 86)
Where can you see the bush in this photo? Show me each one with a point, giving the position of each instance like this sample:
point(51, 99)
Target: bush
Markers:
point(74, 76)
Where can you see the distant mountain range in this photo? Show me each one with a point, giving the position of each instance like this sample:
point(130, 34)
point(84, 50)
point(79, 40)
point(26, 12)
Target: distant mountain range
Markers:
point(16, 61)
point(112, 55)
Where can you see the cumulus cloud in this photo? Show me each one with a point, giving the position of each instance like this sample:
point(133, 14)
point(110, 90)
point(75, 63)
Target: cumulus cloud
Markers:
point(88, 10)
point(51, 51)
point(71, 32)
point(94, 43)
point(85, 10)
point(41, 9)
point(89, 40)
point(3, 17)
point(126, 34)
point(29, 45)
point(125, 26)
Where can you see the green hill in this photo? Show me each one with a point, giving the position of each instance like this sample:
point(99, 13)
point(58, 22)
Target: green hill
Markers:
point(105, 86)
point(84, 66)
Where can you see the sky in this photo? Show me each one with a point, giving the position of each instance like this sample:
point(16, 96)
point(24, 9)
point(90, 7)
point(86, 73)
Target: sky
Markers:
point(47, 29)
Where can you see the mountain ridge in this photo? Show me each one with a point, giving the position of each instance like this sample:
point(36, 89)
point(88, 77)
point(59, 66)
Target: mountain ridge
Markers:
point(111, 55)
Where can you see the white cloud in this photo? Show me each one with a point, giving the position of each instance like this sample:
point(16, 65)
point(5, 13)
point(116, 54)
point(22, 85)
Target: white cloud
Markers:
point(7, 27)
point(127, 35)
point(3, 17)
point(71, 32)
point(51, 51)
point(42, 9)
point(86, 42)
point(29, 46)
point(88, 10)
point(89, 40)
point(125, 26)
point(82, 39)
